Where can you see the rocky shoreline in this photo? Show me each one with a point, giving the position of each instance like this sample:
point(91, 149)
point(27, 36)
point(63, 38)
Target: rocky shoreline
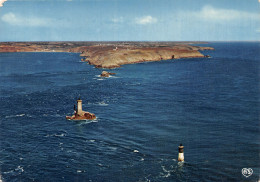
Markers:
point(113, 54)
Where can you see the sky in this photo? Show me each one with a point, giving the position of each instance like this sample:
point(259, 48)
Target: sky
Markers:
point(129, 20)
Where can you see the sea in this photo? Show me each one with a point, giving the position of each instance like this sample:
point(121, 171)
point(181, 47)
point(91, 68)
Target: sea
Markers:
point(144, 112)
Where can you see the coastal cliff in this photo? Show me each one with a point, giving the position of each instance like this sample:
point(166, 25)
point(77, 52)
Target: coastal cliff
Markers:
point(115, 58)
point(112, 54)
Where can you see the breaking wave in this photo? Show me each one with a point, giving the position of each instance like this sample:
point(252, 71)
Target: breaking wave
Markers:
point(15, 171)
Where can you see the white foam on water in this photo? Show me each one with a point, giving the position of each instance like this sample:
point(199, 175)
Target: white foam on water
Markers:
point(60, 135)
point(87, 121)
point(164, 170)
point(113, 148)
point(92, 141)
point(19, 115)
point(168, 172)
point(113, 76)
point(95, 120)
point(180, 163)
point(102, 103)
point(98, 77)
point(13, 116)
point(16, 171)
point(20, 169)
point(136, 151)
point(147, 180)
point(70, 151)
point(102, 78)
point(167, 175)
point(102, 165)
point(79, 171)
point(7, 172)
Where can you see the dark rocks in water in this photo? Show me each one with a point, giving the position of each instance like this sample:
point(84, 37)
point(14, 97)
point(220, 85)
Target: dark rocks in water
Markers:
point(106, 74)
point(207, 56)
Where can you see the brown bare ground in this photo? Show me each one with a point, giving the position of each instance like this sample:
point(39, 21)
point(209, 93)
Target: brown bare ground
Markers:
point(112, 54)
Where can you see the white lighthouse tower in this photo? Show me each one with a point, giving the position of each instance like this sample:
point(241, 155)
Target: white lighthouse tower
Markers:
point(79, 106)
point(79, 114)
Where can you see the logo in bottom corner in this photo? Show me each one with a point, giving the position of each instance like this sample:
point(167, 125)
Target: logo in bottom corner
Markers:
point(247, 172)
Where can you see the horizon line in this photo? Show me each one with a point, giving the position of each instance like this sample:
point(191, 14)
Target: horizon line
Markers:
point(137, 41)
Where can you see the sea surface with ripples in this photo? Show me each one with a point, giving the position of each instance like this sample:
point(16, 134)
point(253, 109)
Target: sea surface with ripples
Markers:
point(210, 105)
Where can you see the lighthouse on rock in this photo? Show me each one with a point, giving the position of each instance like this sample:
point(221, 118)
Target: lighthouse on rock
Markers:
point(79, 114)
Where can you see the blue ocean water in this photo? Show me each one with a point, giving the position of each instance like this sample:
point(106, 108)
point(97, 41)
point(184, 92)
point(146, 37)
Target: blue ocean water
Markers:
point(144, 112)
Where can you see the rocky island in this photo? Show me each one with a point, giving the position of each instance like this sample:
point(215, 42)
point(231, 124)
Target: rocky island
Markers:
point(79, 114)
point(113, 54)
point(106, 74)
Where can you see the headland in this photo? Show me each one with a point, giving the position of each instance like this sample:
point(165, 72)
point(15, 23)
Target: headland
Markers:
point(113, 54)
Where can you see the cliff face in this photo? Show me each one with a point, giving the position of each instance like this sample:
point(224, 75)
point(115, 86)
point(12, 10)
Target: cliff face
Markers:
point(112, 54)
